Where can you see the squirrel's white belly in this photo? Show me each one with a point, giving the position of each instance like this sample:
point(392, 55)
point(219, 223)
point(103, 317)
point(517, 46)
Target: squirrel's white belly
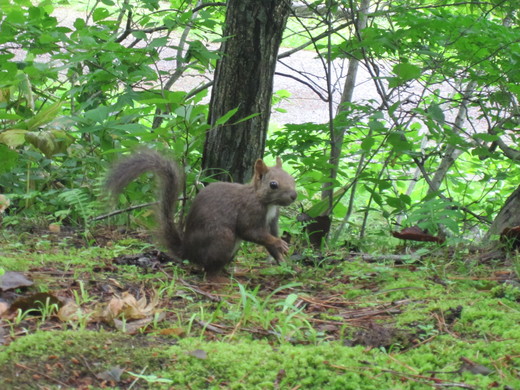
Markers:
point(271, 213)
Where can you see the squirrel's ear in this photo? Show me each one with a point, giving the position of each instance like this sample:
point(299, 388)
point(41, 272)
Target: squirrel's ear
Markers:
point(260, 169)
point(278, 162)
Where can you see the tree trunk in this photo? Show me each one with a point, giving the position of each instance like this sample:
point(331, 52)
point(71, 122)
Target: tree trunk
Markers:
point(507, 217)
point(338, 133)
point(244, 81)
point(452, 152)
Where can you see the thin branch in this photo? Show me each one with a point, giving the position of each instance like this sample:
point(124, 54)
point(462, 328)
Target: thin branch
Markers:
point(205, 5)
point(128, 28)
point(195, 91)
point(315, 90)
point(312, 41)
point(117, 212)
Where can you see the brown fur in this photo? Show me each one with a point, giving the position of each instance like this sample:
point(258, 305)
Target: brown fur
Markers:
point(222, 214)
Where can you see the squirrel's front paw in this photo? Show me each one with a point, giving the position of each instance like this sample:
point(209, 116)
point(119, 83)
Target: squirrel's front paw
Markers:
point(282, 248)
point(278, 249)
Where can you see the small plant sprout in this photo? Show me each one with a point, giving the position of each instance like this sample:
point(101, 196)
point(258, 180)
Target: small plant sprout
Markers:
point(47, 309)
point(81, 297)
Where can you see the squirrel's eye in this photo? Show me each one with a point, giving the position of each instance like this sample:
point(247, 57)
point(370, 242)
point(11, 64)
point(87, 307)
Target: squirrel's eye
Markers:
point(273, 185)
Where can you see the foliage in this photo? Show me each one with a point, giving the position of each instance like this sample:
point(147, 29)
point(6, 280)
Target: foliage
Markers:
point(434, 145)
point(74, 95)
point(445, 98)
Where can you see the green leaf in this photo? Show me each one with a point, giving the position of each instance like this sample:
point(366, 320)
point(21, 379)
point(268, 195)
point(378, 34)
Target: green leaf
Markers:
point(487, 137)
point(399, 203)
point(399, 142)
point(394, 202)
point(450, 224)
point(10, 117)
point(406, 199)
point(322, 206)
point(246, 118)
point(13, 137)
point(158, 42)
point(100, 14)
point(404, 72)
point(393, 107)
point(376, 126)
point(44, 116)
point(227, 116)
point(79, 24)
point(199, 51)
point(8, 158)
point(15, 17)
point(98, 114)
point(436, 113)
point(367, 143)
point(383, 184)
point(139, 34)
point(8, 72)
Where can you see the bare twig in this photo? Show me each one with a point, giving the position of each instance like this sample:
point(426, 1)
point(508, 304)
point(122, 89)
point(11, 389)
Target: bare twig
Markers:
point(117, 212)
point(315, 90)
point(201, 292)
point(214, 328)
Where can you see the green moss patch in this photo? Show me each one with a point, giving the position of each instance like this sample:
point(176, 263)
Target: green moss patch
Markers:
point(347, 324)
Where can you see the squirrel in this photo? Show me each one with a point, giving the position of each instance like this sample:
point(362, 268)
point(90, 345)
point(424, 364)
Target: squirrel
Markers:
point(222, 214)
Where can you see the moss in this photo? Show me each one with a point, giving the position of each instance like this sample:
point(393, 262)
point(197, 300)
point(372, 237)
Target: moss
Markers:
point(69, 355)
point(435, 338)
point(488, 316)
point(14, 263)
point(507, 291)
point(329, 365)
point(252, 364)
point(287, 366)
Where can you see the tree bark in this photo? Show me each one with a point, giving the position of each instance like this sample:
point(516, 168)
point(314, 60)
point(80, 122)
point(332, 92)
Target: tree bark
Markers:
point(452, 152)
point(507, 217)
point(244, 81)
point(338, 133)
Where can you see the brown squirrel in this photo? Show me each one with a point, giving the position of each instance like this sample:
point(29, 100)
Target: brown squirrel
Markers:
point(222, 215)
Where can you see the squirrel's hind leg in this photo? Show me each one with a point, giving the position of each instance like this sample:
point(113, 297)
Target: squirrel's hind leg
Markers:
point(213, 252)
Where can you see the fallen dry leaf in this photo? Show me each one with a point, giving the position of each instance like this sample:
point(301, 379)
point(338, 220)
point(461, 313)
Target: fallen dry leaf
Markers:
point(70, 311)
point(199, 354)
point(415, 233)
point(178, 332)
point(128, 314)
point(4, 307)
point(132, 327)
point(474, 368)
point(112, 374)
point(54, 228)
point(4, 203)
point(128, 307)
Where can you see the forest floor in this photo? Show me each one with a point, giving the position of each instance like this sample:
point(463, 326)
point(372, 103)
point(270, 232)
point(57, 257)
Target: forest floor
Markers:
point(116, 313)
point(119, 314)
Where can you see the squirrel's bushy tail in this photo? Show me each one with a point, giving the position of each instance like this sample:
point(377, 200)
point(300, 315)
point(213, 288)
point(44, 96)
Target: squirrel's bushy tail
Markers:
point(166, 171)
